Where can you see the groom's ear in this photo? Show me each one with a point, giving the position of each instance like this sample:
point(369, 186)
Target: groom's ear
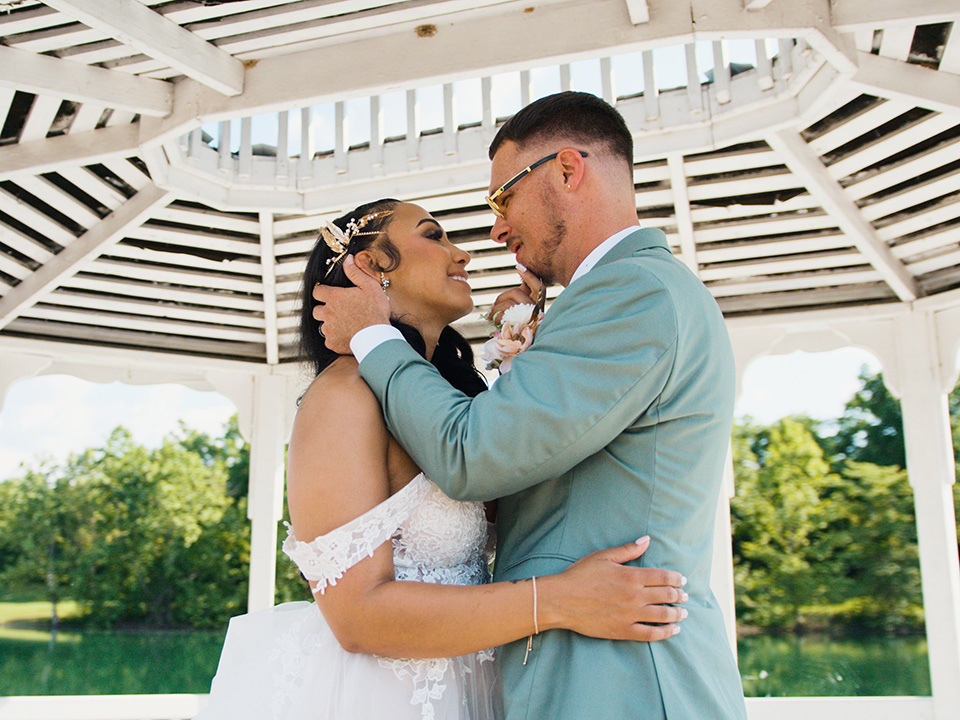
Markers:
point(367, 262)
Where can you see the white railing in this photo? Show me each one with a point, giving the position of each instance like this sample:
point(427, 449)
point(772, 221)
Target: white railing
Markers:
point(317, 146)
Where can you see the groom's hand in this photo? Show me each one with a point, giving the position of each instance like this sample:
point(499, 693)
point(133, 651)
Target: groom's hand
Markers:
point(343, 312)
point(602, 597)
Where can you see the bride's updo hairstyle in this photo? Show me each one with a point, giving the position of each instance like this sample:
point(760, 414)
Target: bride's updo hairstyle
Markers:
point(453, 356)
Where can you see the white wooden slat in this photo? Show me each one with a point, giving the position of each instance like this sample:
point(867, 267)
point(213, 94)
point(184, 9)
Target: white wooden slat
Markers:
point(283, 144)
point(651, 96)
point(94, 186)
point(24, 244)
point(896, 41)
point(98, 304)
point(694, 90)
point(36, 18)
point(905, 170)
point(746, 251)
point(245, 156)
point(124, 287)
point(269, 274)
point(58, 199)
point(127, 172)
point(187, 277)
point(195, 239)
point(764, 65)
point(782, 265)
point(307, 147)
point(487, 121)
point(948, 209)
point(727, 163)
point(914, 196)
point(907, 82)
point(859, 125)
point(803, 282)
point(35, 219)
point(54, 39)
point(413, 126)
point(6, 97)
point(119, 117)
point(566, 80)
point(892, 144)
point(136, 25)
point(863, 39)
point(526, 88)
point(743, 186)
point(681, 204)
point(12, 267)
point(40, 119)
point(785, 56)
point(764, 226)
point(925, 244)
point(376, 131)
point(211, 219)
point(607, 91)
point(188, 261)
point(144, 324)
point(86, 118)
point(79, 253)
point(340, 137)
point(721, 73)
point(224, 157)
point(449, 121)
point(933, 263)
point(706, 214)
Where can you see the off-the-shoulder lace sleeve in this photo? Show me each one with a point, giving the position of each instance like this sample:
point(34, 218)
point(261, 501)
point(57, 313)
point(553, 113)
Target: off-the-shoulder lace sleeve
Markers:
point(326, 558)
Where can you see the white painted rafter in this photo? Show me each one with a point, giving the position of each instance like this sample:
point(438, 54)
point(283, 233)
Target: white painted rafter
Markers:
point(639, 11)
point(268, 263)
point(850, 15)
point(913, 84)
point(68, 151)
point(138, 26)
point(85, 248)
point(807, 167)
point(45, 75)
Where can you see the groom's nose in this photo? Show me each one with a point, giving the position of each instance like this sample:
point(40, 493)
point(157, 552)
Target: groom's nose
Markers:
point(500, 231)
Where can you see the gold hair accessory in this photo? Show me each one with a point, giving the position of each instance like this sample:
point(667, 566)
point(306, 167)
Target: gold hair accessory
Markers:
point(339, 241)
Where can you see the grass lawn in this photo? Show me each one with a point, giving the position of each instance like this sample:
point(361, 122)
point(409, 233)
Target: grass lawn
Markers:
point(35, 612)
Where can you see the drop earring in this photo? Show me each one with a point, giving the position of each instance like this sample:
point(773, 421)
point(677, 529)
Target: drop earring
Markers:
point(384, 282)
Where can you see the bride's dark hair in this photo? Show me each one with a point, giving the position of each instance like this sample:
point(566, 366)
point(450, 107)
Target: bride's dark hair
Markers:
point(453, 356)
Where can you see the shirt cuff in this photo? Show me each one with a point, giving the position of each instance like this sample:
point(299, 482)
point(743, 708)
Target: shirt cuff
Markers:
point(372, 337)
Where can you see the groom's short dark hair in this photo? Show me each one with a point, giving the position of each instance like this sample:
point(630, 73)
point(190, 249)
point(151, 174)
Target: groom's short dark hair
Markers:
point(569, 115)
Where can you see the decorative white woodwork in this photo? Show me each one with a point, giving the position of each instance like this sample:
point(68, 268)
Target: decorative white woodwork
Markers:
point(30, 72)
point(134, 24)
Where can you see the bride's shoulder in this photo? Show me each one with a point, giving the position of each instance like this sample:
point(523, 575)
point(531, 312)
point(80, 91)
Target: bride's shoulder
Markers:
point(339, 391)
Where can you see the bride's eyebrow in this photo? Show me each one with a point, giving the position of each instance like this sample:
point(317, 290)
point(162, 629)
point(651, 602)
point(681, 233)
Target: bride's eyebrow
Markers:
point(429, 220)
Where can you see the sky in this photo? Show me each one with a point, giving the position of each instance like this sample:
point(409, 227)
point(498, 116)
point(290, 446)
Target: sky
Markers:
point(50, 417)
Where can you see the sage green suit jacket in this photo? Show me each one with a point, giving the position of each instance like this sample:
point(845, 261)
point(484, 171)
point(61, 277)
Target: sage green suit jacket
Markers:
point(614, 424)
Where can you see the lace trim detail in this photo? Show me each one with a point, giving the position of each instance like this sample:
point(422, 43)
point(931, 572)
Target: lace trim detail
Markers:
point(326, 558)
point(292, 646)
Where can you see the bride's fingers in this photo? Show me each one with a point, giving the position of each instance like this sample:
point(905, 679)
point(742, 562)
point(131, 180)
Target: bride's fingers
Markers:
point(651, 633)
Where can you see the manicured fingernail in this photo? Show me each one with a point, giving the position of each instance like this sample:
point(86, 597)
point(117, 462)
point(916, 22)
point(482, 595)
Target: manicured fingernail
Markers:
point(521, 268)
point(676, 629)
point(683, 580)
point(644, 540)
point(348, 260)
point(683, 613)
point(683, 596)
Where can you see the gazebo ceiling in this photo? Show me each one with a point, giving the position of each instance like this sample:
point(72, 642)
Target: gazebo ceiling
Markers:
point(164, 165)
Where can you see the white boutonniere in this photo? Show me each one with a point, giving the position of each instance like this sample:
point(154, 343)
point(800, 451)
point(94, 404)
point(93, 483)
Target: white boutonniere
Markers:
point(514, 334)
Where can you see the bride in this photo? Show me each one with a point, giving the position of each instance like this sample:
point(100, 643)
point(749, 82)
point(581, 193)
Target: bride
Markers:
point(402, 630)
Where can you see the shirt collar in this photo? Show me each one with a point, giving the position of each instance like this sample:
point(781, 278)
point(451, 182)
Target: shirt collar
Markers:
point(599, 251)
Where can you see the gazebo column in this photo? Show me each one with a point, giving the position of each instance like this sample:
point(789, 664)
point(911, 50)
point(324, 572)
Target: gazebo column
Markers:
point(923, 386)
point(721, 576)
point(265, 503)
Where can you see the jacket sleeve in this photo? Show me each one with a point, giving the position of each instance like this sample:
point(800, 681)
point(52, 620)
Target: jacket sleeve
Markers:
point(600, 360)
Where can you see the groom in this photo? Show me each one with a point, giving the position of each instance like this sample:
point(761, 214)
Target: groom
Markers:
point(615, 423)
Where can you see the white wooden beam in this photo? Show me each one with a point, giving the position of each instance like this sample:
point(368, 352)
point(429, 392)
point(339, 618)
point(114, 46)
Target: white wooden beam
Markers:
point(269, 269)
point(134, 24)
point(806, 166)
point(45, 75)
point(914, 84)
point(67, 151)
point(85, 248)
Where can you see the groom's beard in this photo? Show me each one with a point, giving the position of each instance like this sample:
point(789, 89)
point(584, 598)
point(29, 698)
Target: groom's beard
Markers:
point(545, 265)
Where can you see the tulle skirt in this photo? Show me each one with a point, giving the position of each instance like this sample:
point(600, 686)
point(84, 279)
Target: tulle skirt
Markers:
point(285, 664)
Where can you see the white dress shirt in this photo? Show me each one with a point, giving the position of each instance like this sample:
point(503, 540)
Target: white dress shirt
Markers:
point(371, 337)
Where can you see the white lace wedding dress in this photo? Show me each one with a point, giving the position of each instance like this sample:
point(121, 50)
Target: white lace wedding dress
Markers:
point(285, 664)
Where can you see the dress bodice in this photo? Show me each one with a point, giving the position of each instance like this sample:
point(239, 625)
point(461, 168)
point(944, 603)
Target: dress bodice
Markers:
point(435, 539)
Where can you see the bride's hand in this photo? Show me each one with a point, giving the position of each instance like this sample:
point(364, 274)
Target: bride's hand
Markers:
point(527, 293)
point(601, 597)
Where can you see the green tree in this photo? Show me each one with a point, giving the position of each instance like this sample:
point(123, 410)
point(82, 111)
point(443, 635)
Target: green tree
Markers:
point(871, 428)
point(776, 514)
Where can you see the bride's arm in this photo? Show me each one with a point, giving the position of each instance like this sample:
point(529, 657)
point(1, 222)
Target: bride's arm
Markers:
point(337, 470)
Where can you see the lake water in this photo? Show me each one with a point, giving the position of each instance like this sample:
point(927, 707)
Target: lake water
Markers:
point(95, 663)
